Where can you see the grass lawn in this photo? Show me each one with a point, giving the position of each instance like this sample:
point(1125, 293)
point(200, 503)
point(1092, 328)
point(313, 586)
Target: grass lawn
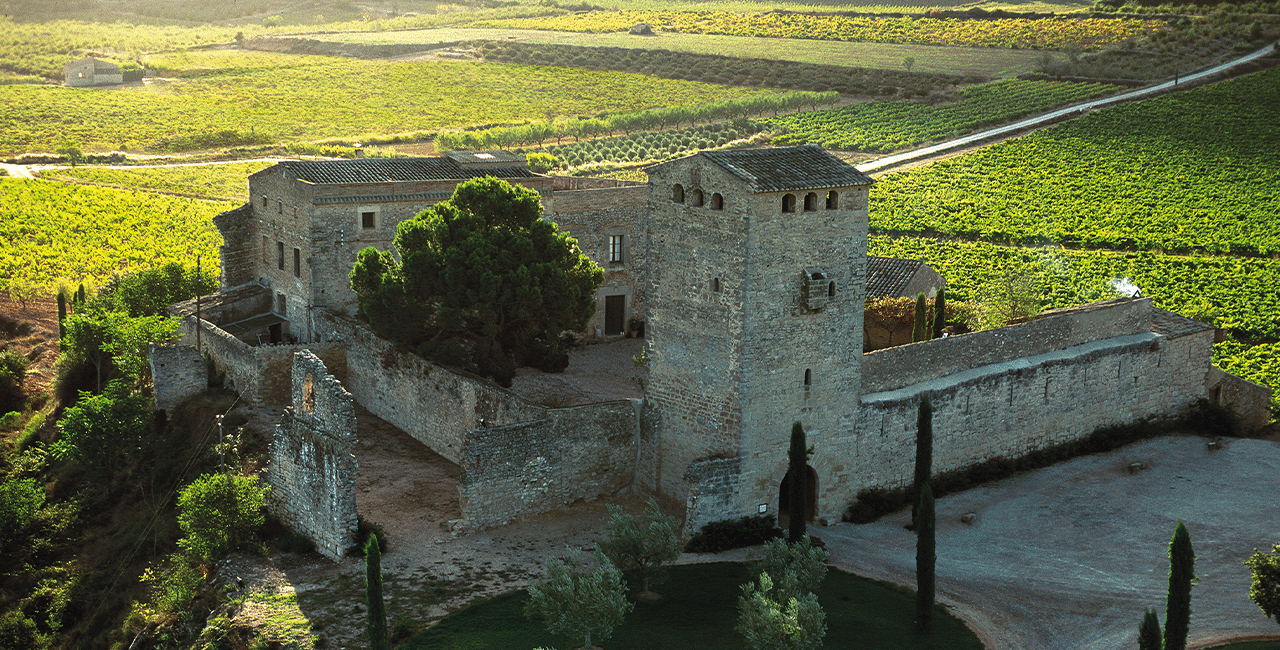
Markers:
point(967, 61)
point(699, 611)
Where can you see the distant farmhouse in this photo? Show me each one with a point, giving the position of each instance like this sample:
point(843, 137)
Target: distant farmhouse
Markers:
point(92, 72)
point(750, 270)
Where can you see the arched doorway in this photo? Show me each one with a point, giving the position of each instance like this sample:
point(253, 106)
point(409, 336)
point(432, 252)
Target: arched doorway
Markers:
point(810, 502)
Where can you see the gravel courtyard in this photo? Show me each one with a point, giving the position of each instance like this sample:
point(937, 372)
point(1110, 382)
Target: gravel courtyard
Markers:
point(1069, 557)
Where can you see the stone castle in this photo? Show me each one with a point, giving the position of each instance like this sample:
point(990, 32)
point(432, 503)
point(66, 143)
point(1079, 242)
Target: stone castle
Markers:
point(749, 269)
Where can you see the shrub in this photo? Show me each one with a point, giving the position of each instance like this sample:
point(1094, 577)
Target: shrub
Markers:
point(541, 163)
point(20, 500)
point(219, 513)
point(173, 585)
point(723, 535)
point(13, 369)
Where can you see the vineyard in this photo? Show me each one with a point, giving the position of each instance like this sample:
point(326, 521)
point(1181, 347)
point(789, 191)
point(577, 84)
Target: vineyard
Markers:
point(653, 145)
point(728, 70)
point(1024, 33)
point(1195, 169)
point(881, 127)
point(1257, 363)
point(56, 231)
point(221, 182)
point(350, 99)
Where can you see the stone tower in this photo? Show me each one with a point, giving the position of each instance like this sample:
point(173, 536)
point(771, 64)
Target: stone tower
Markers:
point(757, 262)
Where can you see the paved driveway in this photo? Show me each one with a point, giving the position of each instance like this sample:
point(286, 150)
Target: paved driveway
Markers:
point(1070, 556)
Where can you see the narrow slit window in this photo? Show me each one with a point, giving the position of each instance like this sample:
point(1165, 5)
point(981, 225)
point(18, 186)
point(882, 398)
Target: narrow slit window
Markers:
point(715, 285)
point(297, 263)
point(808, 378)
point(280, 255)
point(831, 290)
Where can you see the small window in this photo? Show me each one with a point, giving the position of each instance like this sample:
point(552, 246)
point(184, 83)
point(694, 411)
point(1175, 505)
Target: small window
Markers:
point(368, 220)
point(715, 285)
point(279, 207)
point(615, 249)
point(697, 198)
point(280, 304)
point(677, 193)
point(789, 203)
point(280, 255)
point(831, 290)
point(810, 202)
point(808, 377)
point(833, 200)
point(717, 201)
point(266, 250)
point(264, 201)
point(297, 263)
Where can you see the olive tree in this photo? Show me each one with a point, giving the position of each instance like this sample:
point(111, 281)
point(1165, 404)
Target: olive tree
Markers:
point(1265, 591)
point(768, 624)
point(580, 596)
point(644, 546)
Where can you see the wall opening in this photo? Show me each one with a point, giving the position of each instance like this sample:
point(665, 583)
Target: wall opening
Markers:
point(717, 201)
point(810, 501)
point(833, 200)
point(615, 311)
point(810, 202)
point(696, 198)
point(788, 202)
point(677, 193)
point(715, 285)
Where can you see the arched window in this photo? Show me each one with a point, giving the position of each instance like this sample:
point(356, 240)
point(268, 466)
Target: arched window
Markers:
point(696, 198)
point(677, 193)
point(788, 202)
point(717, 201)
point(833, 200)
point(810, 202)
point(715, 285)
point(831, 290)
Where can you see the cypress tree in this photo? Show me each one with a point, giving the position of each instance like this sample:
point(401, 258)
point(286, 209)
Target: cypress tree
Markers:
point(62, 314)
point(920, 332)
point(373, 592)
point(1177, 616)
point(940, 312)
point(924, 451)
point(798, 485)
point(926, 556)
point(1149, 632)
point(80, 294)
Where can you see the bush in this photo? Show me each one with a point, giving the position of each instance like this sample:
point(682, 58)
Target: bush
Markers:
point(13, 369)
point(541, 163)
point(365, 528)
point(219, 513)
point(723, 535)
point(20, 500)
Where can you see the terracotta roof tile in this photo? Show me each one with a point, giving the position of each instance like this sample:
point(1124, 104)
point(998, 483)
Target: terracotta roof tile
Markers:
point(887, 276)
point(787, 168)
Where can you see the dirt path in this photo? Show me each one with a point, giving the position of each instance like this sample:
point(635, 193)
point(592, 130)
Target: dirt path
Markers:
point(1070, 556)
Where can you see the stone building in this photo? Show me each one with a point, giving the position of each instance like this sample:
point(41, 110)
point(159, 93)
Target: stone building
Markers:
point(750, 269)
point(92, 72)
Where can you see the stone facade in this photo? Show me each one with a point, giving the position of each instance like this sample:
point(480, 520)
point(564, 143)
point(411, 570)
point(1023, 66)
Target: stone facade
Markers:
point(178, 372)
point(574, 453)
point(756, 277)
point(92, 72)
point(313, 470)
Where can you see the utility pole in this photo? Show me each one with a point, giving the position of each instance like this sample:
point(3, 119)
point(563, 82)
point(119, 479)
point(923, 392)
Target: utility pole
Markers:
point(199, 325)
point(222, 464)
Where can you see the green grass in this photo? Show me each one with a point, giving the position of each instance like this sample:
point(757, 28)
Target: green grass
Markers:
point(224, 182)
point(699, 611)
point(346, 99)
point(963, 61)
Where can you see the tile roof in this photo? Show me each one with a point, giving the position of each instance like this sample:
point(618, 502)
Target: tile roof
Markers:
point(1173, 325)
point(887, 276)
point(383, 170)
point(787, 168)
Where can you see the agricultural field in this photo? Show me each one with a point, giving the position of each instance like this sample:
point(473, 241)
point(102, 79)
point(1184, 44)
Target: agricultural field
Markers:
point(881, 127)
point(59, 231)
point(347, 99)
point(1188, 173)
point(1195, 169)
point(223, 182)
point(935, 59)
point(1022, 33)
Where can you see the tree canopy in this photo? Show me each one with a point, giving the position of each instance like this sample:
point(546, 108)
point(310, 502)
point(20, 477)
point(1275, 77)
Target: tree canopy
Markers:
point(482, 282)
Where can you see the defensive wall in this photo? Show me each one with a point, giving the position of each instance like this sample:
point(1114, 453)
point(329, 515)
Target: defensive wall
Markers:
point(522, 469)
point(1014, 390)
point(312, 473)
point(177, 373)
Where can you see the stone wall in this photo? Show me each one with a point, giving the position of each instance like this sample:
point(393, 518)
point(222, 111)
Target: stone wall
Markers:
point(436, 406)
point(177, 373)
point(713, 487)
point(575, 453)
point(1011, 408)
point(312, 472)
point(1054, 330)
point(593, 217)
point(1249, 401)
